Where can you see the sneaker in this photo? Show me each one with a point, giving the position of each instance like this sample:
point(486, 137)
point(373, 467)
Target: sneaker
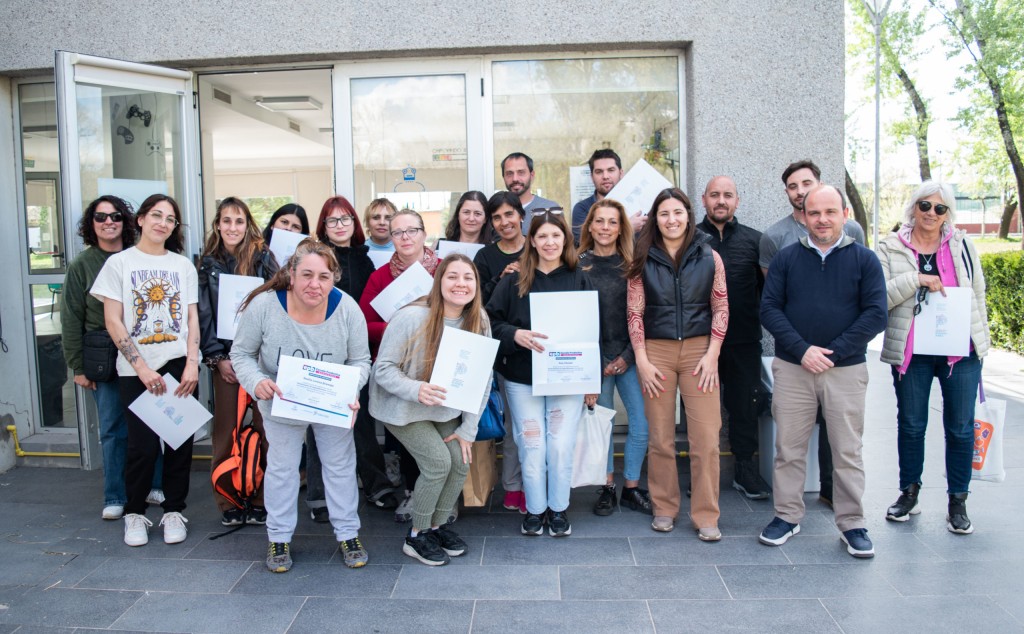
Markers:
point(956, 518)
point(278, 557)
point(533, 524)
point(512, 500)
point(392, 469)
point(174, 527)
point(558, 524)
point(449, 540)
point(136, 529)
point(858, 543)
point(156, 496)
point(905, 505)
point(425, 548)
point(637, 499)
point(663, 524)
point(605, 504)
point(320, 515)
point(257, 516)
point(748, 481)
point(404, 511)
point(778, 532)
point(233, 517)
point(355, 554)
point(113, 512)
point(385, 500)
point(709, 534)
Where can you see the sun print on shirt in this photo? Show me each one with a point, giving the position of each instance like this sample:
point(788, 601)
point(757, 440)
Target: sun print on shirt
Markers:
point(157, 306)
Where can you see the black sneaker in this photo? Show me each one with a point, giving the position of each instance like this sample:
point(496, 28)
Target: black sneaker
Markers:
point(256, 516)
point(637, 499)
point(426, 548)
point(233, 517)
point(558, 524)
point(533, 524)
point(778, 532)
point(858, 543)
point(320, 515)
point(606, 501)
point(956, 519)
point(450, 542)
point(905, 505)
point(748, 481)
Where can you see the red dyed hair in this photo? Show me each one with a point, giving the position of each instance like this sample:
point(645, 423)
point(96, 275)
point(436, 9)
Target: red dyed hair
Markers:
point(342, 203)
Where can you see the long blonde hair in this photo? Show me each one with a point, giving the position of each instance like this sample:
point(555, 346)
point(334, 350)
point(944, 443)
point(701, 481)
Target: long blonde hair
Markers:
point(282, 279)
point(529, 259)
point(623, 244)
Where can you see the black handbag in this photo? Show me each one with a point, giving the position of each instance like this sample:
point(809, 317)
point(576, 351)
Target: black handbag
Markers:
point(99, 356)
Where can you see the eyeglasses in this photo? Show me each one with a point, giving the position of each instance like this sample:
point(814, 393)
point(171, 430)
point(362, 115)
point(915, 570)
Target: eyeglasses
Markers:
point(167, 220)
point(344, 221)
point(558, 211)
point(922, 296)
point(412, 232)
point(101, 217)
point(926, 205)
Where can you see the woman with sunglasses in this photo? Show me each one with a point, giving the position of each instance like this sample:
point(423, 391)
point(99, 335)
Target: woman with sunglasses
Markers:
point(150, 296)
point(234, 247)
point(544, 426)
point(929, 254)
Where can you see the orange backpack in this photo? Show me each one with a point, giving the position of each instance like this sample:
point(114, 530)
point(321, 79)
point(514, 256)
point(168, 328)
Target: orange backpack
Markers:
point(240, 476)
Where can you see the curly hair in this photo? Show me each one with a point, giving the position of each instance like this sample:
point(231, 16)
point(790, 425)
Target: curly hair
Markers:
point(88, 232)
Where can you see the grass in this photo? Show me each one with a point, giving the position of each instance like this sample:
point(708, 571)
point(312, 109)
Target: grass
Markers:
point(996, 245)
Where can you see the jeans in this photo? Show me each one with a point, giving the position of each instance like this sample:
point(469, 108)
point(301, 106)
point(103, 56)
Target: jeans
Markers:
point(114, 442)
point(959, 393)
point(545, 432)
point(636, 437)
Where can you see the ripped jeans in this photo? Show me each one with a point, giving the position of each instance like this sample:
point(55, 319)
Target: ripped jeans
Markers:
point(545, 432)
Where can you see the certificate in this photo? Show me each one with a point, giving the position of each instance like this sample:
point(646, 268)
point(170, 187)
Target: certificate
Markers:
point(943, 327)
point(571, 361)
point(380, 258)
point(414, 283)
point(447, 247)
point(231, 293)
point(175, 419)
point(639, 187)
point(316, 391)
point(463, 368)
point(283, 243)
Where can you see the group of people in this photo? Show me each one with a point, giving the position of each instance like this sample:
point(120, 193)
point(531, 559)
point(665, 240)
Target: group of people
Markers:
point(681, 309)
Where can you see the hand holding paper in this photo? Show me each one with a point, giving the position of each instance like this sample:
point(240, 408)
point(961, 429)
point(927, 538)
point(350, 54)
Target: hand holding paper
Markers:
point(175, 419)
point(463, 369)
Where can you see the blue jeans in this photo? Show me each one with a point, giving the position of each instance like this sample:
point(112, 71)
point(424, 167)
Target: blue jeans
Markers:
point(545, 432)
point(636, 437)
point(959, 393)
point(114, 443)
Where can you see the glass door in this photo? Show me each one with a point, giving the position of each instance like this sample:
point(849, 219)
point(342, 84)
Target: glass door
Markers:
point(125, 129)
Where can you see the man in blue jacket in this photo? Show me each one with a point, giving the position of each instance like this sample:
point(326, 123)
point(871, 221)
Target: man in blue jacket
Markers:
point(824, 300)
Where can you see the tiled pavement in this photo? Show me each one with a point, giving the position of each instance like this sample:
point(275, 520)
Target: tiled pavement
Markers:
point(64, 569)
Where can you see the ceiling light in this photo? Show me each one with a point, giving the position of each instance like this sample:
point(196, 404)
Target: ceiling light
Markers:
point(277, 104)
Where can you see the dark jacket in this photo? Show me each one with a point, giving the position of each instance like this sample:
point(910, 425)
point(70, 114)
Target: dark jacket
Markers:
point(210, 270)
point(356, 268)
point(738, 245)
point(80, 312)
point(509, 313)
point(490, 261)
point(607, 276)
point(679, 300)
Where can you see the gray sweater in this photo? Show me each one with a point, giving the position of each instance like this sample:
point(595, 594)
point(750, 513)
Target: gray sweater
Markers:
point(394, 395)
point(265, 332)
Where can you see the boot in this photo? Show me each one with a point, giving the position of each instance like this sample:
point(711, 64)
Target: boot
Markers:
point(957, 520)
point(905, 505)
point(748, 481)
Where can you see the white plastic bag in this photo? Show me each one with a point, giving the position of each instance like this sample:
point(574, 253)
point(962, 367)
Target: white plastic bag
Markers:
point(989, 418)
point(593, 434)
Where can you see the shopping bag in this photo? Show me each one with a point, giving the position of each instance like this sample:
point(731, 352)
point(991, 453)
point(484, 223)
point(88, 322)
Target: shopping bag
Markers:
point(482, 476)
point(594, 433)
point(492, 420)
point(989, 418)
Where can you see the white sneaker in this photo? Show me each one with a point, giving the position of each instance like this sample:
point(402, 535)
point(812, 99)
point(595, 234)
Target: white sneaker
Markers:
point(136, 529)
point(156, 496)
point(174, 528)
point(113, 512)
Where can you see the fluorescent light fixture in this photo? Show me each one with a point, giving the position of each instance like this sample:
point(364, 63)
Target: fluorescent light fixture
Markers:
point(278, 104)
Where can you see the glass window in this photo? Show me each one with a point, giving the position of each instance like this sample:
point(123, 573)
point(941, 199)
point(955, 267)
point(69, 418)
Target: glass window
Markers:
point(41, 167)
point(558, 111)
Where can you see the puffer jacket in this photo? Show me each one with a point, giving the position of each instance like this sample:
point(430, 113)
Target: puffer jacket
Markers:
point(899, 264)
point(210, 270)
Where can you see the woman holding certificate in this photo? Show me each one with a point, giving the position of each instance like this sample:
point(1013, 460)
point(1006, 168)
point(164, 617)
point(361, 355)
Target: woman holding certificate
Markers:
point(299, 313)
point(544, 426)
point(678, 314)
point(928, 254)
point(402, 397)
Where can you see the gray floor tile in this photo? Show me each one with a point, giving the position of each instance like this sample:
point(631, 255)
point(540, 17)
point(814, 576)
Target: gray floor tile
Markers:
point(782, 615)
point(980, 546)
point(1012, 602)
point(388, 550)
point(70, 607)
point(165, 575)
point(655, 551)
point(504, 524)
point(252, 546)
point(814, 549)
point(8, 628)
point(321, 580)
point(30, 568)
point(321, 615)
point(42, 629)
point(751, 524)
point(543, 617)
point(186, 612)
point(928, 615)
point(641, 582)
point(72, 573)
point(565, 551)
point(806, 581)
point(477, 582)
point(952, 578)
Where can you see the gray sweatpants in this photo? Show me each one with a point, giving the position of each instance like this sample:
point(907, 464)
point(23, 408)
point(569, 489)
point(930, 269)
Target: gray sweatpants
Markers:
point(442, 472)
point(281, 481)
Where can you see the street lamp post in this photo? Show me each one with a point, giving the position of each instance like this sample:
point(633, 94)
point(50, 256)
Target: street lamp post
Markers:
point(877, 16)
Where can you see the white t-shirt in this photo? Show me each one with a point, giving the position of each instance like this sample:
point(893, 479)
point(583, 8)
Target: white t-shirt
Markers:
point(156, 291)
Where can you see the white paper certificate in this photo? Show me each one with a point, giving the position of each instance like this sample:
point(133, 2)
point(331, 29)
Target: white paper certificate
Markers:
point(316, 391)
point(232, 291)
point(571, 361)
point(414, 283)
point(943, 327)
point(283, 243)
point(639, 187)
point(463, 368)
point(173, 418)
point(447, 247)
point(380, 258)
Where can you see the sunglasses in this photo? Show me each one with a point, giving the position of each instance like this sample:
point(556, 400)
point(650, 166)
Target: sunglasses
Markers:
point(558, 211)
point(922, 297)
point(101, 217)
point(926, 205)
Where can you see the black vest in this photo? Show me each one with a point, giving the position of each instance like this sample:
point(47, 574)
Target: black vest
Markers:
point(678, 303)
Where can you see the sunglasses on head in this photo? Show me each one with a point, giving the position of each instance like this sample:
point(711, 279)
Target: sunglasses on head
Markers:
point(547, 210)
point(101, 217)
point(926, 205)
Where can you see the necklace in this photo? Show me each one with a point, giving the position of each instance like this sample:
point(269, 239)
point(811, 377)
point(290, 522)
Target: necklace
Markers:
point(927, 262)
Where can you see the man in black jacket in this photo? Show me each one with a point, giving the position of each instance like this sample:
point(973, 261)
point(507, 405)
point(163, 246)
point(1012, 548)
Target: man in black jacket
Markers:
point(739, 365)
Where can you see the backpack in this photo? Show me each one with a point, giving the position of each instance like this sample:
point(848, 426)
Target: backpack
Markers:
point(240, 476)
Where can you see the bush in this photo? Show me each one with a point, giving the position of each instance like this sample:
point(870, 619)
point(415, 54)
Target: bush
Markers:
point(1004, 280)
